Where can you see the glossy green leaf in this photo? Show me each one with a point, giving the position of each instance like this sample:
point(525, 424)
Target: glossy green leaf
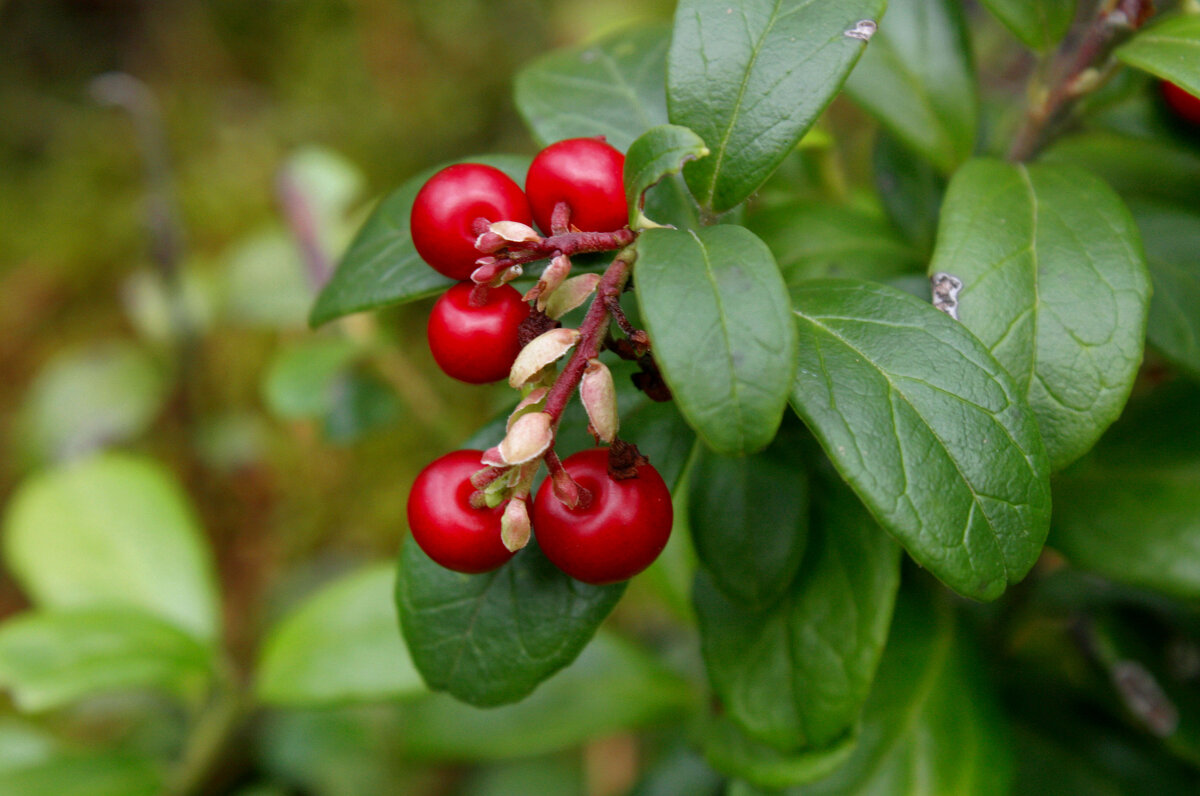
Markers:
point(78, 774)
point(301, 379)
point(82, 400)
point(749, 520)
point(1152, 168)
point(112, 531)
point(342, 644)
point(715, 308)
point(657, 153)
point(795, 675)
point(1131, 510)
point(751, 77)
point(1040, 24)
point(911, 191)
point(381, 267)
point(930, 724)
point(928, 429)
point(730, 750)
point(492, 638)
point(612, 87)
point(611, 686)
point(1172, 239)
point(51, 659)
point(813, 239)
point(917, 78)
point(1055, 285)
point(1169, 49)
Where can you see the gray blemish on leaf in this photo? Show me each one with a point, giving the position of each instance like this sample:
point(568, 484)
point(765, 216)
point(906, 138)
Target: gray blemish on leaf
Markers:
point(864, 29)
point(946, 288)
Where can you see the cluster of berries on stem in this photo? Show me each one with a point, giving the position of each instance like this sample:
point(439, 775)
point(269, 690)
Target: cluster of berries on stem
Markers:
point(602, 515)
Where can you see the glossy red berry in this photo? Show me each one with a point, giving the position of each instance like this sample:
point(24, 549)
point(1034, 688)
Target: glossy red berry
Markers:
point(446, 208)
point(1185, 104)
point(615, 536)
point(443, 522)
point(586, 173)
point(476, 344)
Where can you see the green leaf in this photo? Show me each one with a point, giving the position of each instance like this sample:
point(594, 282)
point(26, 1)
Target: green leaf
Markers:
point(78, 774)
point(749, 520)
point(1055, 285)
point(730, 750)
point(612, 87)
point(1040, 24)
point(1172, 239)
point(715, 308)
point(657, 153)
point(751, 77)
point(51, 659)
point(611, 686)
point(813, 239)
point(930, 724)
point(1152, 168)
point(82, 400)
point(381, 267)
point(301, 379)
point(1131, 510)
point(795, 675)
point(492, 638)
point(1169, 50)
point(917, 78)
point(112, 531)
point(911, 190)
point(928, 429)
point(340, 645)
point(264, 281)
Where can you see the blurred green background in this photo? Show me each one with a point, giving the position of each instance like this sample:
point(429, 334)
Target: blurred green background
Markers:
point(154, 285)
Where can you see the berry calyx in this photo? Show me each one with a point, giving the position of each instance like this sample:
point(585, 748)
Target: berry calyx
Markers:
point(445, 524)
point(586, 174)
point(1185, 104)
point(446, 208)
point(476, 344)
point(613, 535)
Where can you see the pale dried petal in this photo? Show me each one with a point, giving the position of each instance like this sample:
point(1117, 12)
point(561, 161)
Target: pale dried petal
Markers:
point(515, 232)
point(533, 399)
point(540, 352)
point(599, 396)
point(571, 294)
point(514, 525)
point(528, 438)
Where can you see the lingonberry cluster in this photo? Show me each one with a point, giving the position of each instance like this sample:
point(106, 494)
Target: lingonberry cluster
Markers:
point(602, 515)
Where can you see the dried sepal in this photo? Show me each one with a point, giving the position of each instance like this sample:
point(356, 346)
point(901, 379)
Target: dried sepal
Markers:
point(528, 438)
point(553, 276)
point(515, 232)
point(599, 396)
point(543, 350)
point(529, 403)
point(571, 294)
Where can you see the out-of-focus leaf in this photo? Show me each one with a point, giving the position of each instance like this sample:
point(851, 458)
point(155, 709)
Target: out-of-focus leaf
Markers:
point(1038, 23)
point(50, 659)
point(1151, 168)
point(340, 645)
point(68, 774)
point(1169, 49)
point(1172, 239)
point(112, 531)
point(301, 379)
point(611, 686)
point(911, 190)
point(83, 400)
point(917, 78)
point(265, 282)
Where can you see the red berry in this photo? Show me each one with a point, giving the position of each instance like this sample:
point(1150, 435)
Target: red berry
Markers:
point(446, 208)
point(1185, 104)
point(476, 344)
point(586, 173)
point(444, 524)
point(615, 536)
